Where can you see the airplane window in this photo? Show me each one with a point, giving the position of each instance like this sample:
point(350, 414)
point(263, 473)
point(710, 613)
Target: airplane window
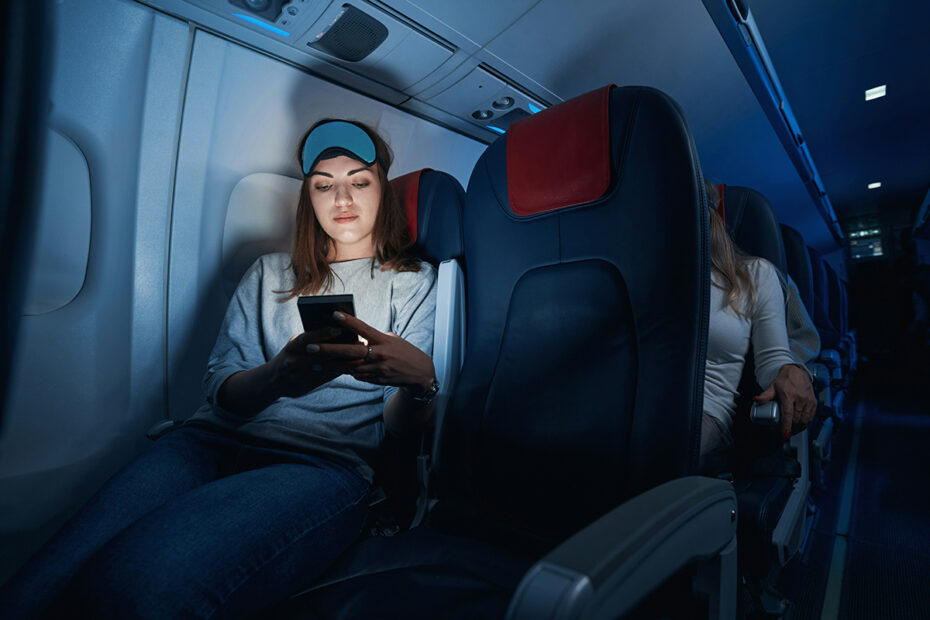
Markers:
point(62, 242)
point(259, 220)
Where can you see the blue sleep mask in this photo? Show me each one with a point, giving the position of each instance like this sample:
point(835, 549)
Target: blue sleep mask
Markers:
point(337, 138)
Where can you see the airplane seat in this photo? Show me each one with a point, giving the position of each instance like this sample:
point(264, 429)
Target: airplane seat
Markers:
point(833, 353)
point(800, 269)
point(849, 333)
point(798, 265)
point(771, 478)
point(830, 336)
point(839, 315)
point(572, 436)
point(433, 202)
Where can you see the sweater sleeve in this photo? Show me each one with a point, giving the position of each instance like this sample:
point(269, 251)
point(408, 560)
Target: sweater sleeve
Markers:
point(413, 305)
point(238, 346)
point(802, 334)
point(768, 332)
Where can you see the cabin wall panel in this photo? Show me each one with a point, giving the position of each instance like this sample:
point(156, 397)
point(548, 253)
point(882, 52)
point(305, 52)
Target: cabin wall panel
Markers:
point(88, 377)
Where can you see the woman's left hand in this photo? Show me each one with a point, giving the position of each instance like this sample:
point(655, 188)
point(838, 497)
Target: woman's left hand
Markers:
point(387, 359)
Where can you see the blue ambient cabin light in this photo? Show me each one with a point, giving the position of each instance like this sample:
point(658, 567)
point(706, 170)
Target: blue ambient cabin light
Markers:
point(497, 129)
point(534, 108)
point(258, 22)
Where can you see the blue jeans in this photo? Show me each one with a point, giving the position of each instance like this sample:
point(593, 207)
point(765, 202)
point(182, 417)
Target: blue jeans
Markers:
point(200, 525)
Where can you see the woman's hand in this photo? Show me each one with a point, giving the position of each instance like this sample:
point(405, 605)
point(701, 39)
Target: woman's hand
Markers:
point(296, 369)
point(292, 372)
point(796, 397)
point(387, 359)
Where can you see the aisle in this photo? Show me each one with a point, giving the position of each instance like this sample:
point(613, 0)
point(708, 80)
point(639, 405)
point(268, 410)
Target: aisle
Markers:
point(869, 552)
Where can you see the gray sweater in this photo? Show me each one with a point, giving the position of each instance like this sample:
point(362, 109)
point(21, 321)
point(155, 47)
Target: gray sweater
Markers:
point(729, 336)
point(342, 419)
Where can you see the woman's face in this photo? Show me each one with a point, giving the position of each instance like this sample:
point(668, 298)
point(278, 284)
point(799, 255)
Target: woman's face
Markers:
point(346, 195)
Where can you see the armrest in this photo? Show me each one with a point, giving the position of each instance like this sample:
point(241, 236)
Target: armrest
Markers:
point(161, 428)
point(448, 357)
point(448, 334)
point(612, 564)
point(831, 358)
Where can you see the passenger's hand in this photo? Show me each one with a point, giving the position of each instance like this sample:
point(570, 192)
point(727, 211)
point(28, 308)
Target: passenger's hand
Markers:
point(795, 396)
point(387, 359)
point(297, 369)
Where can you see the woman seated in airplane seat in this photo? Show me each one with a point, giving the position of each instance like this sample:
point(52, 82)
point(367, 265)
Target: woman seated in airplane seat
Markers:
point(746, 306)
point(260, 491)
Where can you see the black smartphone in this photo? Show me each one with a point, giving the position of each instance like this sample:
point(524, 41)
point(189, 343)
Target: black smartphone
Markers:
point(316, 312)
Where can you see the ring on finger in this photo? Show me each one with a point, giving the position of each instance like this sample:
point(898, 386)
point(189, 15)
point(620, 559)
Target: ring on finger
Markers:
point(368, 354)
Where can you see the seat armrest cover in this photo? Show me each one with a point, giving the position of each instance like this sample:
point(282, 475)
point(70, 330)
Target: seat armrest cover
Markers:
point(830, 357)
point(448, 334)
point(609, 566)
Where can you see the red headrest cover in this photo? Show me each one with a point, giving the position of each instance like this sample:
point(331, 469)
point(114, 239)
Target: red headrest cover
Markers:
point(407, 190)
point(560, 157)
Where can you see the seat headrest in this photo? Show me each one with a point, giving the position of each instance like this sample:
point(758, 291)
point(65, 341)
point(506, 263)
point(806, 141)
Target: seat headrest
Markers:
point(407, 190)
point(752, 225)
point(560, 157)
point(798, 264)
point(433, 203)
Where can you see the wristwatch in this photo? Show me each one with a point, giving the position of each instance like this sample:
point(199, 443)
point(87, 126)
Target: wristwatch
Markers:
point(427, 396)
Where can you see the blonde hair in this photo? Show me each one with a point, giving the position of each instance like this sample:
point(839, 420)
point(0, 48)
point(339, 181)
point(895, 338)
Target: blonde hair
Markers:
point(729, 262)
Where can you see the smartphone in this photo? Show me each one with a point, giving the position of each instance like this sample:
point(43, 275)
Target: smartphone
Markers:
point(765, 414)
point(316, 312)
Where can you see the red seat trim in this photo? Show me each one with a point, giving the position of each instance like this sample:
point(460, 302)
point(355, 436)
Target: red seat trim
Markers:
point(560, 157)
point(407, 189)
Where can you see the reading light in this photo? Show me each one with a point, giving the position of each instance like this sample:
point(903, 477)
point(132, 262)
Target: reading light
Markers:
point(875, 185)
point(503, 103)
point(252, 20)
point(875, 93)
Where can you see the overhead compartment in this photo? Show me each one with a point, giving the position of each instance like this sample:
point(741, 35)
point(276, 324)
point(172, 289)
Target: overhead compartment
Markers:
point(370, 41)
point(353, 35)
point(388, 50)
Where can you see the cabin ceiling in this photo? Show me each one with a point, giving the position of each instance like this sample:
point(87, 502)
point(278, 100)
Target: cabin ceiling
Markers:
point(446, 59)
point(827, 54)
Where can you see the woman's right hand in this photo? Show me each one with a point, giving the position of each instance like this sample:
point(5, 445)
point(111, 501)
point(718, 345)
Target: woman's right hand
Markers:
point(295, 371)
point(292, 372)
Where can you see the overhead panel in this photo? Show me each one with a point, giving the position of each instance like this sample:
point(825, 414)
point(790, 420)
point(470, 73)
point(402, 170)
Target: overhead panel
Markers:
point(424, 57)
point(478, 21)
point(368, 40)
point(353, 35)
point(486, 100)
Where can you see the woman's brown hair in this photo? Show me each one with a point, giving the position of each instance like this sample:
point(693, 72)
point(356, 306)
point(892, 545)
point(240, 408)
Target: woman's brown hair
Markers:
point(728, 261)
point(391, 236)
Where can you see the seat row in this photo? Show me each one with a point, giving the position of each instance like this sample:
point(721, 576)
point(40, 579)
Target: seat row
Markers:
point(559, 479)
point(777, 508)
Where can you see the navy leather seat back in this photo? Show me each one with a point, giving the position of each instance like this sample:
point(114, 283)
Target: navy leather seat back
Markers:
point(837, 317)
point(829, 335)
point(752, 225)
point(798, 264)
point(433, 203)
point(587, 321)
point(844, 299)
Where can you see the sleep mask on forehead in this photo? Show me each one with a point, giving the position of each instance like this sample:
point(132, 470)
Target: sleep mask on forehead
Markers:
point(337, 138)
